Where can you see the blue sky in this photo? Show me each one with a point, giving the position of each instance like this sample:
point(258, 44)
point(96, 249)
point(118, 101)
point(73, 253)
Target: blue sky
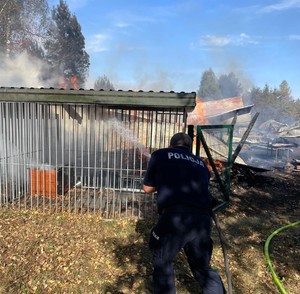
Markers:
point(166, 45)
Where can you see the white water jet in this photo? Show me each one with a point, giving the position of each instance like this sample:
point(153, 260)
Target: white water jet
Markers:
point(128, 136)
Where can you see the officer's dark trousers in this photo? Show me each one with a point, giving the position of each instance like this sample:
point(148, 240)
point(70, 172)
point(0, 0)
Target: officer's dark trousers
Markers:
point(189, 230)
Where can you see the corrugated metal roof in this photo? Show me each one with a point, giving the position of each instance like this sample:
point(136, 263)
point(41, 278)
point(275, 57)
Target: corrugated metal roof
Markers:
point(136, 99)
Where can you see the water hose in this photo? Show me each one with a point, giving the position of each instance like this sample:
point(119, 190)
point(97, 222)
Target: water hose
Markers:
point(226, 262)
point(267, 255)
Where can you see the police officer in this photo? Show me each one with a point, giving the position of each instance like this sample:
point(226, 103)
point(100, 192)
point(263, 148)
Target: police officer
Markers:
point(181, 181)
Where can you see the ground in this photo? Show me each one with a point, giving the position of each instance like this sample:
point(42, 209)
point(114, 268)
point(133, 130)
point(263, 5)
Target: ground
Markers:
point(44, 252)
point(261, 203)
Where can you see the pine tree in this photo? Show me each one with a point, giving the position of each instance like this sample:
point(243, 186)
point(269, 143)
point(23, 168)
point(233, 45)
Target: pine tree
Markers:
point(229, 85)
point(66, 48)
point(103, 83)
point(209, 87)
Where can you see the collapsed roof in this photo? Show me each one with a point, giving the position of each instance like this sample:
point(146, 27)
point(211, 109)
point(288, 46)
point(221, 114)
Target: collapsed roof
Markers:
point(222, 110)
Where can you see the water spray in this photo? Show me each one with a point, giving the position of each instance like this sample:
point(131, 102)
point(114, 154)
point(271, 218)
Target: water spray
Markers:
point(128, 136)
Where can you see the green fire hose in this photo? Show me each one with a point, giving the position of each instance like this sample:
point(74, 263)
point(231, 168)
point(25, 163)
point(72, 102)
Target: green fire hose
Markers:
point(267, 255)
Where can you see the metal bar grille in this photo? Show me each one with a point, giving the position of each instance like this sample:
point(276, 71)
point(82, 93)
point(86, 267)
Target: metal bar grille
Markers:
point(81, 158)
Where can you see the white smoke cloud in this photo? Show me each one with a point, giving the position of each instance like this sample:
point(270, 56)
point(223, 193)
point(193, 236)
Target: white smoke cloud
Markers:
point(23, 71)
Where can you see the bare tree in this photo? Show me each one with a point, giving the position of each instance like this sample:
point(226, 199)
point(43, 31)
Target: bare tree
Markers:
point(22, 23)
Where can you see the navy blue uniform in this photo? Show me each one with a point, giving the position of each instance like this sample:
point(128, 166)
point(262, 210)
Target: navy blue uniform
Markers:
point(184, 205)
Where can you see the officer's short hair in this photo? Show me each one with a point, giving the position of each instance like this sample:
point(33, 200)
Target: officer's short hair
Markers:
point(181, 139)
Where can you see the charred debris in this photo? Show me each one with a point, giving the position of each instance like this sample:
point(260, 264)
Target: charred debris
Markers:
point(270, 146)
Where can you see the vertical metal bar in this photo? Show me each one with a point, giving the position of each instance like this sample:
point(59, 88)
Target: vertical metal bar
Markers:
point(108, 149)
point(229, 163)
point(43, 146)
point(114, 150)
point(160, 127)
point(11, 153)
point(120, 176)
point(1, 155)
point(2, 159)
point(36, 148)
point(19, 156)
point(101, 141)
point(23, 147)
point(184, 119)
point(75, 135)
point(6, 153)
point(156, 132)
point(150, 133)
point(175, 118)
point(63, 165)
point(198, 142)
point(68, 151)
point(30, 146)
point(6, 148)
point(127, 148)
point(26, 138)
point(56, 168)
point(142, 205)
point(96, 132)
point(169, 129)
point(82, 159)
point(132, 122)
point(48, 187)
point(88, 138)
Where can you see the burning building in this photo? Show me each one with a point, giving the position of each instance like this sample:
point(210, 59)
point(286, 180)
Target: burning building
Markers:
point(84, 150)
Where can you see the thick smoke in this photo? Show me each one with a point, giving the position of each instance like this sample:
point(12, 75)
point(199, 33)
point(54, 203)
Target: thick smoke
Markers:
point(24, 71)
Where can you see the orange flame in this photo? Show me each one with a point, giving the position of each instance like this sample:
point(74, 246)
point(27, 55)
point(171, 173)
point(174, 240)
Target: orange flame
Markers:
point(65, 83)
point(197, 116)
point(218, 164)
point(73, 82)
point(200, 110)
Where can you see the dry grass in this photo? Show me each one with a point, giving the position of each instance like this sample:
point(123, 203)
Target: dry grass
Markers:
point(43, 252)
point(67, 253)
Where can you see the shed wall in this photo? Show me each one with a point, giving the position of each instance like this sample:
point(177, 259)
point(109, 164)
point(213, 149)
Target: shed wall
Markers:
point(81, 157)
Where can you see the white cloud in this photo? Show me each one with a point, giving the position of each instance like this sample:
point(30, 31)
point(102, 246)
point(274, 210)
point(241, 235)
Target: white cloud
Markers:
point(222, 41)
point(211, 40)
point(282, 5)
point(125, 19)
point(294, 37)
point(97, 43)
point(122, 24)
